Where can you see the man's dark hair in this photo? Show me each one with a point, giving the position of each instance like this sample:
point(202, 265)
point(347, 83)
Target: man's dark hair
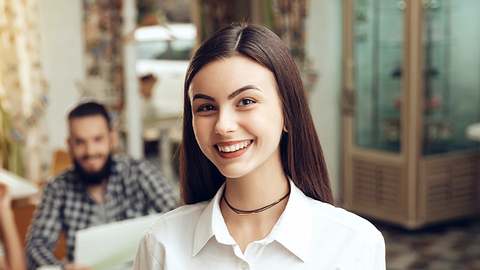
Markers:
point(90, 108)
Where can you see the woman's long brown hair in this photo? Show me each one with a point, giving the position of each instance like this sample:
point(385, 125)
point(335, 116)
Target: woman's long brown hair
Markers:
point(300, 150)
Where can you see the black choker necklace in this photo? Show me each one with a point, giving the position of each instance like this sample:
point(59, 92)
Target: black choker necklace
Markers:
point(254, 211)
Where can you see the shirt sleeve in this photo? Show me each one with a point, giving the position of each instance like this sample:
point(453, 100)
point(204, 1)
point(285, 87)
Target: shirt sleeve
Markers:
point(378, 252)
point(45, 229)
point(157, 189)
point(150, 255)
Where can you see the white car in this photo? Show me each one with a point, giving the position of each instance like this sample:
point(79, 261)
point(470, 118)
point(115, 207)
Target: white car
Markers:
point(164, 51)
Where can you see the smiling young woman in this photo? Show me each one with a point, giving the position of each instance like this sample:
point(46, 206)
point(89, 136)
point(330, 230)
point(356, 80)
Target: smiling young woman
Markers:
point(253, 174)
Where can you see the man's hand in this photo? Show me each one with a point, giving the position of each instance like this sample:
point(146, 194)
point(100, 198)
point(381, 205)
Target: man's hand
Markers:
point(72, 266)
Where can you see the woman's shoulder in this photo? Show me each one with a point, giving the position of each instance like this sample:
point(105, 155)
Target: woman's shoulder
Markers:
point(341, 219)
point(178, 220)
point(172, 231)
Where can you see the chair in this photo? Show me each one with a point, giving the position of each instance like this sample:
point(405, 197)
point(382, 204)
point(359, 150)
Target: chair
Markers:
point(24, 209)
point(60, 162)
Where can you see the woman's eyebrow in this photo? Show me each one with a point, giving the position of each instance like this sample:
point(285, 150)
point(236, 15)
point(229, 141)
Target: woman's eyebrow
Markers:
point(202, 96)
point(242, 89)
point(232, 95)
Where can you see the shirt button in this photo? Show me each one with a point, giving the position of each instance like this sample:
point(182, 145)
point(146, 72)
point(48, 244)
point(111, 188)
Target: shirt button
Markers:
point(244, 266)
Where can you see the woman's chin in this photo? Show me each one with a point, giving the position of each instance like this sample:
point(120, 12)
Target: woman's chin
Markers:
point(233, 172)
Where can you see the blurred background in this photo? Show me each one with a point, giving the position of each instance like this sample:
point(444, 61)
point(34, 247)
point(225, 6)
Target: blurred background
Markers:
point(393, 85)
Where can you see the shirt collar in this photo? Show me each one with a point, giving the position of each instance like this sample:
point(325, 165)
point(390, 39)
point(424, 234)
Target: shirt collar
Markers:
point(293, 229)
point(211, 223)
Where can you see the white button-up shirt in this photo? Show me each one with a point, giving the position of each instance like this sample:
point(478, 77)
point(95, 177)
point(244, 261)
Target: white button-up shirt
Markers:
point(308, 235)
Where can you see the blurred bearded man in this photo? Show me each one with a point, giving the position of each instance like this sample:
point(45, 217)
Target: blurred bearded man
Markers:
point(101, 187)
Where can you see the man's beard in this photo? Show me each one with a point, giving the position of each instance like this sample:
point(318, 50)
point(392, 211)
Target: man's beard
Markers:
point(93, 178)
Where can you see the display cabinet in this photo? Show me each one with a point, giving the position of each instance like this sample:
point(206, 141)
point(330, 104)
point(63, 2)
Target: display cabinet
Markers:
point(411, 88)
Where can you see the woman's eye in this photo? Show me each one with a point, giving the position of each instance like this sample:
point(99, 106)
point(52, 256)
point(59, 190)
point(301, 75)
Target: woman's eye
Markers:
point(205, 108)
point(246, 102)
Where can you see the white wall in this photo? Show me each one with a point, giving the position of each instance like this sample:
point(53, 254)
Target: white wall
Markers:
point(324, 46)
point(62, 56)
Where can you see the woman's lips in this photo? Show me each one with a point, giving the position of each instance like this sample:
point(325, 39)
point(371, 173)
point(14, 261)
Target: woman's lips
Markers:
point(233, 149)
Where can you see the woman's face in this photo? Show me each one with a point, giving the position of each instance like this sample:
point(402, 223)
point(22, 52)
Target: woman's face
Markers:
point(237, 116)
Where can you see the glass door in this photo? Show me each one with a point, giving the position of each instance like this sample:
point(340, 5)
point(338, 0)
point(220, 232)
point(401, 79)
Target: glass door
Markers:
point(378, 55)
point(451, 44)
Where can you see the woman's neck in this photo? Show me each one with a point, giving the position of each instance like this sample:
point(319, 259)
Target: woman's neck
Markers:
point(256, 190)
point(253, 191)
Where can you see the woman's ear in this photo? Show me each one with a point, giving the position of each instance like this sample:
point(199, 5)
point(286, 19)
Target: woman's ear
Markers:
point(285, 125)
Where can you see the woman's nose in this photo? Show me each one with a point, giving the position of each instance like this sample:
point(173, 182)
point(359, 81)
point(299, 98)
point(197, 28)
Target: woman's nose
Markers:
point(226, 122)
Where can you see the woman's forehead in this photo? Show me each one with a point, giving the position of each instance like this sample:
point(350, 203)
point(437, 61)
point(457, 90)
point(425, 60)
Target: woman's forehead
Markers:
point(231, 73)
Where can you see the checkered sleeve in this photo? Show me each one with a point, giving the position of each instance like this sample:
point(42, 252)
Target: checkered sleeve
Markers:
point(45, 228)
point(156, 187)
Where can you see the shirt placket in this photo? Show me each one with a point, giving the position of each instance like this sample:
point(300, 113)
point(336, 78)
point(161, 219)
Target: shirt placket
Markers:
point(252, 253)
point(243, 263)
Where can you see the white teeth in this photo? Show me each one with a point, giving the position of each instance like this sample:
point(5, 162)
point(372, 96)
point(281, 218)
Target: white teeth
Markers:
point(233, 148)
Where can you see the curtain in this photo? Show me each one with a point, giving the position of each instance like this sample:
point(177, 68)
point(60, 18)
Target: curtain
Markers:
point(285, 17)
point(102, 23)
point(214, 14)
point(23, 91)
point(288, 21)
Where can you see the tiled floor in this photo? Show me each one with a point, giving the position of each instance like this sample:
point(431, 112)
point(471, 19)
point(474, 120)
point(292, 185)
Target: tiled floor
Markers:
point(455, 246)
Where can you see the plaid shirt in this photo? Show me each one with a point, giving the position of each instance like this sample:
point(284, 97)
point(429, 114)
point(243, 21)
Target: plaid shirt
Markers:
point(135, 188)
